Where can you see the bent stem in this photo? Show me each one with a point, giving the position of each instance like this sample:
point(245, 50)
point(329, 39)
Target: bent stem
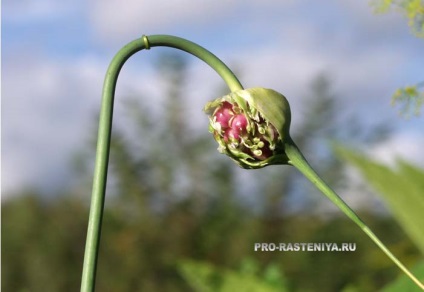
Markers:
point(297, 159)
point(105, 127)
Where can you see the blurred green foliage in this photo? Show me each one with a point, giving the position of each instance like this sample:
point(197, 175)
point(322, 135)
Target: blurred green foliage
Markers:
point(401, 188)
point(412, 9)
point(405, 284)
point(411, 97)
point(175, 209)
point(208, 278)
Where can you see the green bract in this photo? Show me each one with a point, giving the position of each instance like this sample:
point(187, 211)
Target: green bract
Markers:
point(251, 126)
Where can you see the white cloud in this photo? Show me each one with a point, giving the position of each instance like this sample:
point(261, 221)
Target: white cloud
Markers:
point(406, 145)
point(114, 19)
point(45, 108)
point(26, 11)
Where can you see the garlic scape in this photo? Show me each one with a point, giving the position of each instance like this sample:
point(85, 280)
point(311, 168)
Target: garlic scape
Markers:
point(251, 126)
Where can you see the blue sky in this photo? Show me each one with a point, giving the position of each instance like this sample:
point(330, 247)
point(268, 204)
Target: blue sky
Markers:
point(55, 55)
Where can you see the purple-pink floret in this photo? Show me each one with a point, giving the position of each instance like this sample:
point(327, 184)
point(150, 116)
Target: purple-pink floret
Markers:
point(231, 124)
point(239, 123)
point(224, 114)
point(234, 128)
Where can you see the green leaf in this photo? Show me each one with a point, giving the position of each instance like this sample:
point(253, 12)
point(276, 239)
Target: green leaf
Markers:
point(401, 188)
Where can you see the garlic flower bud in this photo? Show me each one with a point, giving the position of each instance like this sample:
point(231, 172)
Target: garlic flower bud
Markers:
point(251, 126)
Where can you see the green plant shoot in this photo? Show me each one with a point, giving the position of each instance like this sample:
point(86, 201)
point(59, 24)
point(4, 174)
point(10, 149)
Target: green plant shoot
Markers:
point(251, 126)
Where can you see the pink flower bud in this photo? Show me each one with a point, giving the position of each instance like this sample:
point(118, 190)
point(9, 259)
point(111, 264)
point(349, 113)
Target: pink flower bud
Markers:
point(231, 135)
point(239, 122)
point(251, 126)
point(224, 114)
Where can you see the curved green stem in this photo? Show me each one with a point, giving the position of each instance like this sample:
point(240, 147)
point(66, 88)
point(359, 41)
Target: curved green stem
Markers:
point(104, 134)
point(297, 159)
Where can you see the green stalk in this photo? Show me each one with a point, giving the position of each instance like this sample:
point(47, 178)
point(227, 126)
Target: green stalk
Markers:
point(297, 159)
point(104, 134)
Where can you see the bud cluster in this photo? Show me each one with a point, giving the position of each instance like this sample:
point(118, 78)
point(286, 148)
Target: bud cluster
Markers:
point(242, 133)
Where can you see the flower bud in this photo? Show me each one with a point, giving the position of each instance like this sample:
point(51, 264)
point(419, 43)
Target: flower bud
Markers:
point(251, 126)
